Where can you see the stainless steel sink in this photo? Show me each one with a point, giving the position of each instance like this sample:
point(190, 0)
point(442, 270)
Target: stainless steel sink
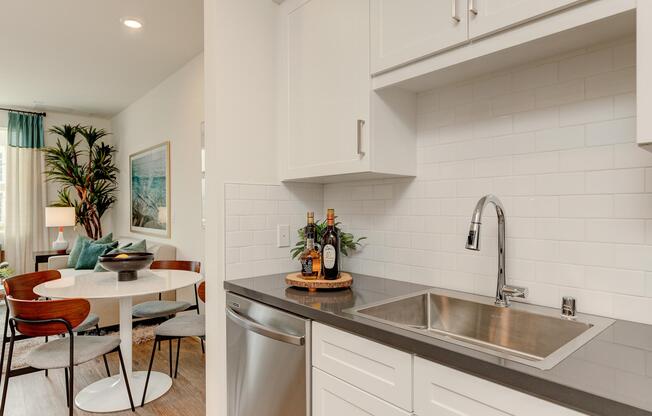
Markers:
point(528, 334)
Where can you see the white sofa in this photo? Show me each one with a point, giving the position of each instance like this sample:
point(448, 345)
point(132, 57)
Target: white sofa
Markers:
point(107, 309)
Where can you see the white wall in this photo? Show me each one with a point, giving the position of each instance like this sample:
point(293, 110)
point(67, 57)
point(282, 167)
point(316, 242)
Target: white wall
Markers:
point(240, 144)
point(555, 141)
point(173, 111)
point(58, 119)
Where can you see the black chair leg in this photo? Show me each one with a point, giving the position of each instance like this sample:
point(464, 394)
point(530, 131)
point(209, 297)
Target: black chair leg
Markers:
point(4, 339)
point(124, 373)
point(6, 385)
point(67, 387)
point(70, 391)
point(176, 368)
point(170, 342)
point(149, 371)
point(72, 379)
point(203, 349)
point(106, 363)
point(46, 371)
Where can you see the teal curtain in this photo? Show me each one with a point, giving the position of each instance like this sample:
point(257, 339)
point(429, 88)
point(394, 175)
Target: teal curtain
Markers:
point(25, 130)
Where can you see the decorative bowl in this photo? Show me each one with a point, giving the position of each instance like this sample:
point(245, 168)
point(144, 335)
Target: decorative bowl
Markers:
point(126, 264)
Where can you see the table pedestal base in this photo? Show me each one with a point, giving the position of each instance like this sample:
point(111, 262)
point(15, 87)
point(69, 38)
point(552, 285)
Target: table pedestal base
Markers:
point(110, 394)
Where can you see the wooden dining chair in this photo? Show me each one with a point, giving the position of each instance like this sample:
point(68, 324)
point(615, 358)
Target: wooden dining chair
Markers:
point(36, 318)
point(177, 328)
point(22, 287)
point(168, 308)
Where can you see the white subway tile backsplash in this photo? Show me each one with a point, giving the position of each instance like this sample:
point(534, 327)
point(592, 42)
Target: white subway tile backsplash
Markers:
point(625, 105)
point(615, 230)
point(555, 141)
point(536, 163)
point(559, 150)
point(537, 76)
point(586, 206)
point(615, 181)
point(252, 215)
point(588, 111)
point(585, 65)
point(559, 138)
point(621, 130)
point(560, 184)
point(630, 155)
point(562, 93)
point(536, 119)
point(514, 144)
point(611, 83)
point(633, 206)
point(513, 103)
point(587, 159)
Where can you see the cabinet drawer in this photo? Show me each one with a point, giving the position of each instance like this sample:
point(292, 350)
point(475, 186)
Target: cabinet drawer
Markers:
point(372, 367)
point(334, 397)
point(439, 390)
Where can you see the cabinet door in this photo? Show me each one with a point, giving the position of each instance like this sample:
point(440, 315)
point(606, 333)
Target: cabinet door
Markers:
point(442, 391)
point(402, 31)
point(487, 16)
point(333, 397)
point(329, 86)
point(377, 369)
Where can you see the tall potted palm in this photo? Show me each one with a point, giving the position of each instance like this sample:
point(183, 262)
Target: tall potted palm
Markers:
point(86, 173)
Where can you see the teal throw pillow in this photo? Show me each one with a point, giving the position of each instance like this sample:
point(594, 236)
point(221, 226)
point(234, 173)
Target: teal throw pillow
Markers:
point(106, 239)
point(139, 247)
point(91, 251)
point(73, 257)
point(76, 251)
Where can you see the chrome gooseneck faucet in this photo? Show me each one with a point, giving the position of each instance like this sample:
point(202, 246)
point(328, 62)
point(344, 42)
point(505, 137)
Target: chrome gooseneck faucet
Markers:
point(503, 291)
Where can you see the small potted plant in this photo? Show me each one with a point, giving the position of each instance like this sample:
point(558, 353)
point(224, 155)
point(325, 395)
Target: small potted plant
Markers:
point(348, 242)
point(5, 271)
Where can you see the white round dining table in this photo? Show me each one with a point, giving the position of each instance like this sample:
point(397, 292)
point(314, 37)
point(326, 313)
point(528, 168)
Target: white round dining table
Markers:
point(110, 394)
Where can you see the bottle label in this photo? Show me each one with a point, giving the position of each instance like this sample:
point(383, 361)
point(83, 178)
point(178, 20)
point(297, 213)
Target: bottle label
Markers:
point(306, 266)
point(329, 256)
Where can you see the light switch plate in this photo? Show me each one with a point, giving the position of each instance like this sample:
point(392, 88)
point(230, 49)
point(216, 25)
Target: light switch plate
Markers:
point(283, 235)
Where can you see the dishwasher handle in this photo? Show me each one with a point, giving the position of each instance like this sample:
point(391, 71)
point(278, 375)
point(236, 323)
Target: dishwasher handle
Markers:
point(263, 330)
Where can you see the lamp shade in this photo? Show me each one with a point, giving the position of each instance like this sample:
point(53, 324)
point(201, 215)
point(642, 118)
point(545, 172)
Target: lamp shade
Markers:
point(59, 216)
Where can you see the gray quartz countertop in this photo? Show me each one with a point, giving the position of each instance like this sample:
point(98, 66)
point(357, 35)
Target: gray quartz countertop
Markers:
point(610, 375)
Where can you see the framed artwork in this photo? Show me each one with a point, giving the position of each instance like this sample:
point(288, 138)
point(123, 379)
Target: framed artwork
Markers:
point(149, 171)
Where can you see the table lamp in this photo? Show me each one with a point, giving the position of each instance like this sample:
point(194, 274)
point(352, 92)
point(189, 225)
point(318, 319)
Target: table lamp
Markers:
point(60, 217)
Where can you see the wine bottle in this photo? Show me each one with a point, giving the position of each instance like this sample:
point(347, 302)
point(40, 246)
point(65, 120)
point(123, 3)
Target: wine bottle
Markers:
point(330, 248)
point(310, 257)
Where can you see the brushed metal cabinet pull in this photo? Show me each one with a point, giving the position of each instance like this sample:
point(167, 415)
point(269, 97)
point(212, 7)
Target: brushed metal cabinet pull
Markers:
point(472, 7)
point(360, 126)
point(454, 15)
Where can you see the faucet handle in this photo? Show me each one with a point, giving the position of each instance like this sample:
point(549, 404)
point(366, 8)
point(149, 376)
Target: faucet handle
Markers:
point(515, 291)
point(568, 307)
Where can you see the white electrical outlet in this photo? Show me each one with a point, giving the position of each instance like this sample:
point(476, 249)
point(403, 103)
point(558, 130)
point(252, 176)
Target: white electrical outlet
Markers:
point(283, 235)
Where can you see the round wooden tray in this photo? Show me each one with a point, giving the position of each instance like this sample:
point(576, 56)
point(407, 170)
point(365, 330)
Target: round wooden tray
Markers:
point(297, 280)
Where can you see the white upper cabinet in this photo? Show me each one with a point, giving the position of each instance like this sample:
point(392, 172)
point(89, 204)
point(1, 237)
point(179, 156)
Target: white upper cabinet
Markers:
point(488, 16)
point(403, 31)
point(331, 123)
point(328, 85)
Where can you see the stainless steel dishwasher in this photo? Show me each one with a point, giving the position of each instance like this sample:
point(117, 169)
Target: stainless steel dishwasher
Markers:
point(268, 360)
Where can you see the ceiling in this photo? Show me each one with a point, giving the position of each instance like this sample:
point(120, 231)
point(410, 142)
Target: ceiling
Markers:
point(76, 56)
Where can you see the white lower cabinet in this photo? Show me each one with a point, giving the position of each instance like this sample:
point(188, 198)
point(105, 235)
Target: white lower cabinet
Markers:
point(375, 368)
point(442, 391)
point(334, 397)
point(355, 376)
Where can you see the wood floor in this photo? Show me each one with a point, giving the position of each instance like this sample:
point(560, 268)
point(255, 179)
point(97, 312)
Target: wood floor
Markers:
point(36, 395)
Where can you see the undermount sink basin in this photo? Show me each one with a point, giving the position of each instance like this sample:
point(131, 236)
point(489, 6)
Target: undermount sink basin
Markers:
point(528, 334)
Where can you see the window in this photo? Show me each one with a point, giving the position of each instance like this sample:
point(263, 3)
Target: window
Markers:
point(3, 182)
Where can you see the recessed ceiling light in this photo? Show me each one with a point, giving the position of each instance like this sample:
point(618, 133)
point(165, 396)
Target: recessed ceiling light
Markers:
point(132, 23)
